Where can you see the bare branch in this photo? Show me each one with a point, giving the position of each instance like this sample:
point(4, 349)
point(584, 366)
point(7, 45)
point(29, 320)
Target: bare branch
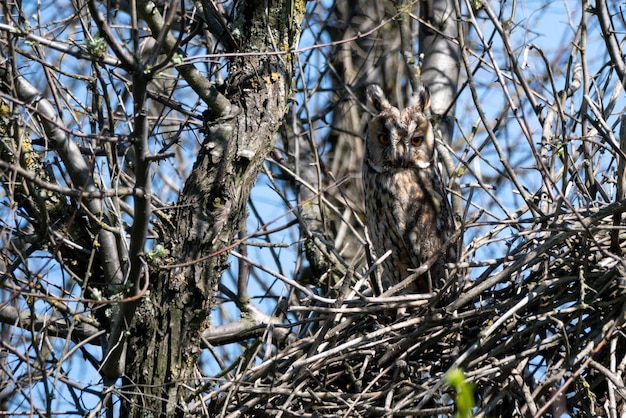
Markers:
point(608, 33)
point(53, 326)
point(75, 164)
point(218, 103)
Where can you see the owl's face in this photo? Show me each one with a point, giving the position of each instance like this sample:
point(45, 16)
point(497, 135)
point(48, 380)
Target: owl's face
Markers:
point(399, 139)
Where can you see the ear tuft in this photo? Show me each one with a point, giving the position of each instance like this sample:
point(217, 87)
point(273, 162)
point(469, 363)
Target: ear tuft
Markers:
point(423, 98)
point(377, 97)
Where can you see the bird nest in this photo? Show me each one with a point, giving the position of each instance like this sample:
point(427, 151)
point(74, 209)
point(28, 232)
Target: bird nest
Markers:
point(538, 332)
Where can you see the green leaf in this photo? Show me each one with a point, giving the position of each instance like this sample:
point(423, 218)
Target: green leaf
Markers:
point(464, 399)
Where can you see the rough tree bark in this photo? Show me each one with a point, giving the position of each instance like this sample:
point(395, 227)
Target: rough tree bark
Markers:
point(165, 338)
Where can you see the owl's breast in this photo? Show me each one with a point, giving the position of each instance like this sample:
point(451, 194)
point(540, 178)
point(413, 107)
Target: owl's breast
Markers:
point(407, 192)
point(407, 213)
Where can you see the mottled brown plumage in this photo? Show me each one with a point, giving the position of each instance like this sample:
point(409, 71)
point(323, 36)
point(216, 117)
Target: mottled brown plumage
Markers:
point(407, 209)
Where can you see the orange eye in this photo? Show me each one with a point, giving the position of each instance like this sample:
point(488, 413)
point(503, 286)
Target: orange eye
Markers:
point(384, 138)
point(417, 140)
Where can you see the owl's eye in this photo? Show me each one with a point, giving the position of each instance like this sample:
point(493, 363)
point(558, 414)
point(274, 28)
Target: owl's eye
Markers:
point(384, 138)
point(417, 139)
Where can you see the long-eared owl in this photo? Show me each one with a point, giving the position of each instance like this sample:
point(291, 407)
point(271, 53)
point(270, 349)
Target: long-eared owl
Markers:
point(406, 205)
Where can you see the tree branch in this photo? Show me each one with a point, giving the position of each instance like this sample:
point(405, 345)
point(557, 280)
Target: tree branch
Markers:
point(128, 62)
point(76, 166)
point(608, 33)
point(114, 363)
point(56, 326)
point(218, 104)
point(252, 325)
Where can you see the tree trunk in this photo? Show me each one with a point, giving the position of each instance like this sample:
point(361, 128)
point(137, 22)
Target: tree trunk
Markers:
point(165, 337)
point(440, 63)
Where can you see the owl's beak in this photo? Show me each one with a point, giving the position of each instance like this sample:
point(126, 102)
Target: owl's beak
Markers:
point(403, 158)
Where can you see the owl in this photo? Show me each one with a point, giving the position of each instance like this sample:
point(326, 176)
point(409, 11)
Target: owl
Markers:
point(406, 205)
